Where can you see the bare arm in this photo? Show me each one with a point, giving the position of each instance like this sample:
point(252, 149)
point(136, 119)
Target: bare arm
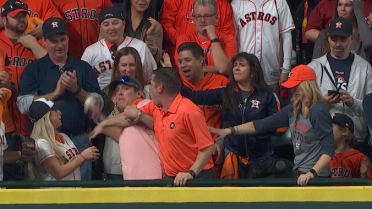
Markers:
point(323, 161)
point(220, 59)
point(59, 170)
point(11, 156)
point(364, 166)
point(201, 160)
point(31, 43)
point(312, 34)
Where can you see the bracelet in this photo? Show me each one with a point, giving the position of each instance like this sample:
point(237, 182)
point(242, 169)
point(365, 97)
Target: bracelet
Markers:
point(138, 116)
point(233, 131)
point(77, 91)
point(82, 156)
point(314, 172)
point(192, 173)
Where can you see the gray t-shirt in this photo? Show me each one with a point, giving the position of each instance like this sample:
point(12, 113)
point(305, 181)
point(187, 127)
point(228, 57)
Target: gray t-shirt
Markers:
point(311, 137)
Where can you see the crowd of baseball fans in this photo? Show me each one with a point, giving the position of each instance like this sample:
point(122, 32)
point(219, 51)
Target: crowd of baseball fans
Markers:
point(185, 89)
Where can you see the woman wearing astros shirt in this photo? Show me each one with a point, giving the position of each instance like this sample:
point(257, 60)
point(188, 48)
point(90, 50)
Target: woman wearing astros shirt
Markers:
point(309, 121)
point(57, 157)
point(247, 97)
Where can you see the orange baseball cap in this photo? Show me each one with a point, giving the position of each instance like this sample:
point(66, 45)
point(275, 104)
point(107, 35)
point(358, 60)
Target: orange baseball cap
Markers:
point(298, 74)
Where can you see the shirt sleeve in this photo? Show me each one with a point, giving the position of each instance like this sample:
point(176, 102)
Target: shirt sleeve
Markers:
point(148, 108)
point(203, 97)
point(321, 121)
point(91, 83)
point(149, 63)
point(316, 19)
point(168, 15)
point(44, 150)
point(195, 123)
point(277, 120)
point(285, 17)
point(29, 81)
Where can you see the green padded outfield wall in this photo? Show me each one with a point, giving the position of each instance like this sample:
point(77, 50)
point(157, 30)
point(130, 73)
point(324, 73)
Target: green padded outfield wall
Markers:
point(340, 197)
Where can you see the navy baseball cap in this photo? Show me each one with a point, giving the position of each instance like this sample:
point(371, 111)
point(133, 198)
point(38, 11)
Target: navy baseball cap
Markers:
point(53, 26)
point(343, 121)
point(110, 12)
point(13, 7)
point(340, 27)
point(127, 80)
point(40, 107)
point(367, 107)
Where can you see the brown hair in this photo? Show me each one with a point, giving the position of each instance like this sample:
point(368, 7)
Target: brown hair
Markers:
point(137, 59)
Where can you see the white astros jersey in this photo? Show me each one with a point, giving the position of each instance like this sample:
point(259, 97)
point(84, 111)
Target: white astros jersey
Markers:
point(259, 24)
point(3, 146)
point(99, 57)
point(45, 151)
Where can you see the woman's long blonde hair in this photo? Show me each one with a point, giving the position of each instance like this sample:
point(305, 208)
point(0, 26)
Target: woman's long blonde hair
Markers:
point(43, 129)
point(312, 92)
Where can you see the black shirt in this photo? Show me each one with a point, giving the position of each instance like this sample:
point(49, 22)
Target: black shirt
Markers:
point(341, 70)
point(41, 77)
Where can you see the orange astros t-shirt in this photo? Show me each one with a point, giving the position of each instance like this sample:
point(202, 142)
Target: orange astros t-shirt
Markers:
point(212, 114)
point(181, 133)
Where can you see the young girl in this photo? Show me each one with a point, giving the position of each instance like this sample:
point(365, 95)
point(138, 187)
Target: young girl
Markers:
point(309, 121)
point(346, 162)
point(57, 157)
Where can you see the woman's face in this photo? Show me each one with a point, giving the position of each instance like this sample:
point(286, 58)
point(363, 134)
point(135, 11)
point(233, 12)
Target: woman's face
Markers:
point(241, 70)
point(345, 8)
point(55, 118)
point(127, 66)
point(140, 5)
point(298, 93)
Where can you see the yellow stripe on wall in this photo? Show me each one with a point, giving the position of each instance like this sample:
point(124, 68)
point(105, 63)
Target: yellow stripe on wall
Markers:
point(183, 194)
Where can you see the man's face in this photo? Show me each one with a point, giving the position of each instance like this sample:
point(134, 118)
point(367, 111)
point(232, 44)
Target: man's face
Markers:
point(125, 95)
point(340, 46)
point(204, 15)
point(57, 46)
point(17, 24)
point(154, 91)
point(190, 66)
point(113, 30)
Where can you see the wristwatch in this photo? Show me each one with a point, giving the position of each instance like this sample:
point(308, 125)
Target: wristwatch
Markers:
point(215, 40)
point(192, 173)
point(314, 172)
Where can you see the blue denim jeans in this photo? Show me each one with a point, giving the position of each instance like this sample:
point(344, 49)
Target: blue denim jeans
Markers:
point(82, 142)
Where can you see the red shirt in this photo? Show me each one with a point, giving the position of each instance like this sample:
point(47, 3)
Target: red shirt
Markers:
point(19, 57)
point(324, 11)
point(230, 47)
point(81, 18)
point(181, 133)
point(176, 19)
point(346, 165)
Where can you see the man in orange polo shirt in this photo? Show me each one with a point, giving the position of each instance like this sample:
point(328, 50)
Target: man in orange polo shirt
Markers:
point(185, 144)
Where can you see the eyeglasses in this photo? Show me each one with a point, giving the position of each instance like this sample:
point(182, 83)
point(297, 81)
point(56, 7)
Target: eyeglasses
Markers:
point(199, 17)
point(113, 50)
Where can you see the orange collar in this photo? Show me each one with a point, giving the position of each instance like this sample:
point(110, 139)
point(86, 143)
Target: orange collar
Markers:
point(138, 100)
